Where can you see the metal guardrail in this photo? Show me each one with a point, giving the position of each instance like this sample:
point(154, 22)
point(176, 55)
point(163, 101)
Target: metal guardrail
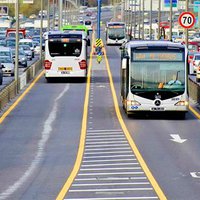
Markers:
point(10, 91)
point(194, 91)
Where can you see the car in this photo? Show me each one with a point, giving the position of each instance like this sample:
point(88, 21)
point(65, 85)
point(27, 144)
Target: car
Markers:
point(27, 51)
point(7, 65)
point(198, 72)
point(1, 74)
point(37, 47)
point(22, 59)
point(6, 51)
point(28, 42)
point(195, 61)
point(10, 42)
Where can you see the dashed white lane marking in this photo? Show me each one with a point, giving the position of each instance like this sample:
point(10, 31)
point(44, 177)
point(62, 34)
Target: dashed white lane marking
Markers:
point(47, 129)
point(111, 178)
point(109, 173)
point(108, 184)
point(109, 152)
point(105, 130)
point(116, 198)
point(110, 164)
point(104, 149)
point(111, 189)
point(105, 145)
point(110, 169)
point(110, 160)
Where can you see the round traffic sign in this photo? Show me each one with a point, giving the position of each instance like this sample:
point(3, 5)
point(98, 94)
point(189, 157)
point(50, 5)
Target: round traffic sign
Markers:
point(186, 19)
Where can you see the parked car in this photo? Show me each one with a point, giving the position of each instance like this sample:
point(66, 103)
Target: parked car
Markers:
point(1, 75)
point(198, 72)
point(27, 51)
point(195, 61)
point(7, 65)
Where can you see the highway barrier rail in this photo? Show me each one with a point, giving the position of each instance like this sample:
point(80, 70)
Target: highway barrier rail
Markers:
point(194, 90)
point(11, 90)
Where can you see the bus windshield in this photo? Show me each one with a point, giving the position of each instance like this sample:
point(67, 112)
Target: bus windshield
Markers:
point(65, 46)
point(157, 70)
point(116, 33)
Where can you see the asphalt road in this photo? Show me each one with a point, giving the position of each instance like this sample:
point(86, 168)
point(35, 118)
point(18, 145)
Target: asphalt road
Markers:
point(40, 150)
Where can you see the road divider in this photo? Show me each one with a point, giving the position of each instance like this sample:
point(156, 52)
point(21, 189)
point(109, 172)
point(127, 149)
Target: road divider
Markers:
point(11, 90)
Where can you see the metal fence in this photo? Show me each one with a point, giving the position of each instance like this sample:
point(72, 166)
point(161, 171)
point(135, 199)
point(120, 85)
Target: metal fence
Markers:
point(11, 90)
point(194, 91)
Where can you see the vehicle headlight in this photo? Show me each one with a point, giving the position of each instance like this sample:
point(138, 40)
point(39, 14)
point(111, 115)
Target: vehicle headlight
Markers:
point(182, 103)
point(133, 103)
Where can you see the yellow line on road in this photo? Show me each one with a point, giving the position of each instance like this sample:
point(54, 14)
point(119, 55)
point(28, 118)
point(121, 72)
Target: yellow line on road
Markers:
point(2, 118)
point(144, 166)
point(79, 157)
point(194, 112)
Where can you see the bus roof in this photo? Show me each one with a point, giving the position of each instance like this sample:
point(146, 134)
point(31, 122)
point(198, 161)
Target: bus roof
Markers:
point(61, 34)
point(74, 27)
point(146, 43)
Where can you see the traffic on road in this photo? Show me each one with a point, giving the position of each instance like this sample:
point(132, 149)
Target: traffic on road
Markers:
point(109, 108)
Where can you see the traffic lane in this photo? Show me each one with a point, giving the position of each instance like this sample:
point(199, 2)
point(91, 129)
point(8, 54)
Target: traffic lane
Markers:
point(39, 141)
point(8, 79)
point(170, 162)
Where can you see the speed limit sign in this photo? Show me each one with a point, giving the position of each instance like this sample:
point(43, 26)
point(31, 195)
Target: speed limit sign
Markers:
point(186, 19)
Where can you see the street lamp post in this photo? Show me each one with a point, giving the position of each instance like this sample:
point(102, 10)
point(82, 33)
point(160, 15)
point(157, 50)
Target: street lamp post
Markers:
point(139, 19)
point(41, 27)
point(150, 32)
point(143, 19)
point(186, 30)
point(159, 18)
point(122, 10)
point(60, 5)
point(17, 43)
point(48, 15)
point(134, 19)
point(170, 25)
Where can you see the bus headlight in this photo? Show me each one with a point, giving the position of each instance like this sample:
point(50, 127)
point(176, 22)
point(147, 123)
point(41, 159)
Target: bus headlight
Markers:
point(133, 103)
point(182, 103)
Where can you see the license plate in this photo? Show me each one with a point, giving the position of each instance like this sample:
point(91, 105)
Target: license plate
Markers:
point(65, 68)
point(157, 109)
point(65, 72)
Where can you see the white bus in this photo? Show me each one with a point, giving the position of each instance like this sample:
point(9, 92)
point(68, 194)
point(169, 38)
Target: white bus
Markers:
point(65, 54)
point(154, 77)
point(115, 33)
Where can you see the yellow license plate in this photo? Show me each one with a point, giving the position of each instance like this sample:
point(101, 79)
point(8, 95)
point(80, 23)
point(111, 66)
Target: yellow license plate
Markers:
point(65, 68)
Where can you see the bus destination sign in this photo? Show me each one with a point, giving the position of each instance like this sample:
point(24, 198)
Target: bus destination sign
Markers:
point(158, 56)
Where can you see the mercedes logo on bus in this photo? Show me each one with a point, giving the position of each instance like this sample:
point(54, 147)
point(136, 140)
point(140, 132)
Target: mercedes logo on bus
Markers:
point(157, 102)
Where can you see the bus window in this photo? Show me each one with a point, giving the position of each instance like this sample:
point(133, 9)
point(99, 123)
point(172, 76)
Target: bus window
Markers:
point(62, 48)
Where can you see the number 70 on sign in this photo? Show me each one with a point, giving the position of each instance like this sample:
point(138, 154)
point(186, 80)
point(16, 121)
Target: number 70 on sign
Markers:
point(186, 19)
